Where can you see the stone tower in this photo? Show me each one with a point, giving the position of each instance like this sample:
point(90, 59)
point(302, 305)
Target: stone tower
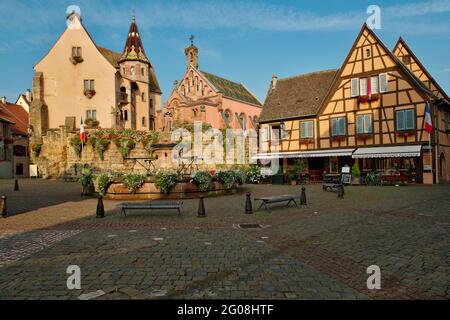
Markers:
point(143, 88)
point(38, 110)
point(191, 53)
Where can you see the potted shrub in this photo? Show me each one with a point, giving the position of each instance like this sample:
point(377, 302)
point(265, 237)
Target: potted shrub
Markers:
point(295, 171)
point(356, 174)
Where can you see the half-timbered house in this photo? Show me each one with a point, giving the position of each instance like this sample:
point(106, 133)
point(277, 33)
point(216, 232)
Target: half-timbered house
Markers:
point(370, 111)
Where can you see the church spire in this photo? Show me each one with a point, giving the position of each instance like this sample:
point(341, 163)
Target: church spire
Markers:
point(134, 50)
point(191, 53)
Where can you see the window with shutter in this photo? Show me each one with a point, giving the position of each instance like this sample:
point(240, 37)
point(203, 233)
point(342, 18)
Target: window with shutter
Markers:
point(364, 124)
point(354, 84)
point(338, 127)
point(374, 81)
point(405, 120)
point(383, 82)
point(306, 129)
point(409, 119)
point(363, 87)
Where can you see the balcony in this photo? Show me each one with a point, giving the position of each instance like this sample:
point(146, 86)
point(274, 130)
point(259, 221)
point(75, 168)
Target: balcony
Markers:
point(122, 98)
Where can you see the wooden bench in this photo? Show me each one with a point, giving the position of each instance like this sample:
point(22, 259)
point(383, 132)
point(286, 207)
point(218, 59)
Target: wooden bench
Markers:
point(331, 187)
point(277, 199)
point(169, 205)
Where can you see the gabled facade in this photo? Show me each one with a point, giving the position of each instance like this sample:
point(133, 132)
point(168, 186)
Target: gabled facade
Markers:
point(25, 100)
point(373, 113)
point(202, 96)
point(79, 80)
point(14, 155)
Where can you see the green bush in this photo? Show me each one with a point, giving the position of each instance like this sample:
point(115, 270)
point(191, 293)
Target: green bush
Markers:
point(240, 177)
point(356, 173)
point(165, 180)
point(295, 170)
point(102, 182)
point(254, 175)
point(226, 178)
point(133, 181)
point(203, 180)
point(77, 145)
point(125, 145)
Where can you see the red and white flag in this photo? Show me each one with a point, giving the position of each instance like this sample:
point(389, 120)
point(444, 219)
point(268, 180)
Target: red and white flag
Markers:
point(82, 132)
point(428, 122)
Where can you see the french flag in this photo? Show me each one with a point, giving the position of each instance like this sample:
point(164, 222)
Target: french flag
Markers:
point(83, 137)
point(428, 122)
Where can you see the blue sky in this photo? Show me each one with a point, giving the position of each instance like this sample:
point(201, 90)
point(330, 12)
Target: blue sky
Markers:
point(244, 41)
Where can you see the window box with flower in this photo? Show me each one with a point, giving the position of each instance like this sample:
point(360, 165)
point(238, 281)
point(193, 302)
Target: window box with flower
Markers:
point(90, 93)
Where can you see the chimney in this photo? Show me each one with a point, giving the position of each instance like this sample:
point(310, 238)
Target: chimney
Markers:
point(274, 81)
point(28, 95)
point(3, 99)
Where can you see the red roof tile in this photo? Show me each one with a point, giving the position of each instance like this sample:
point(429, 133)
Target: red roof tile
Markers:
point(17, 115)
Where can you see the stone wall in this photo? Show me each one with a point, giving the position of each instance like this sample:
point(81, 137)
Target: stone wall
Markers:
point(57, 157)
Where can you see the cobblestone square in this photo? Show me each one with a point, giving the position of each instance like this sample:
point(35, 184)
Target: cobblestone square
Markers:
point(321, 251)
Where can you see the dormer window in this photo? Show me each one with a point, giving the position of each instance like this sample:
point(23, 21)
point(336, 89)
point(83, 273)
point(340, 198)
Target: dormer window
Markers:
point(77, 56)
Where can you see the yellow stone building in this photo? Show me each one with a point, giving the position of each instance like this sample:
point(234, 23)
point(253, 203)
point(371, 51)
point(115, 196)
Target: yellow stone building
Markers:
point(77, 80)
point(371, 111)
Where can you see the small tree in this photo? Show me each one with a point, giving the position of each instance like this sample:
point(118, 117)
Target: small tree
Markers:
point(356, 173)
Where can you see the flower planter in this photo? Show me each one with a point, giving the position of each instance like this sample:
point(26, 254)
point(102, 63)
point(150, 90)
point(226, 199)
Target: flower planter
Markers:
point(366, 99)
point(406, 134)
point(181, 190)
point(89, 93)
point(338, 139)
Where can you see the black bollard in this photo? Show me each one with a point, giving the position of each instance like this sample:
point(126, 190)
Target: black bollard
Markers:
point(248, 204)
point(303, 200)
point(201, 208)
point(16, 185)
point(3, 206)
point(100, 208)
point(341, 191)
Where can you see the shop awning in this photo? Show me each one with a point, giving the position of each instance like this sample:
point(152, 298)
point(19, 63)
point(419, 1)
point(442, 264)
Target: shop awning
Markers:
point(388, 152)
point(305, 154)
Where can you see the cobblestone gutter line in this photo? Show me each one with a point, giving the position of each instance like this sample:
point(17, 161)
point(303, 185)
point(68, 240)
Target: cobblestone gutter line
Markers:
point(24, 248)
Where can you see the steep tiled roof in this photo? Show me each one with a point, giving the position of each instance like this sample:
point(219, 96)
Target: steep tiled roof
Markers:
point(111, 56)
point(134, 50)
point(297, 96)
point(17, 115)
point(231, 89)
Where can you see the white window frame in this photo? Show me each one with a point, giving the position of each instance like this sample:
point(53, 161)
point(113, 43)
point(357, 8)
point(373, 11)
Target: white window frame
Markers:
point(384, 85)
point(367, 125)
point(363, 88)
point(309, 130)
point(375, 84)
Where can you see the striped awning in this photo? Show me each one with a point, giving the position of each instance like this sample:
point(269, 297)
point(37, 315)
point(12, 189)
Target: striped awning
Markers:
point(305, 154)
point(388, 152)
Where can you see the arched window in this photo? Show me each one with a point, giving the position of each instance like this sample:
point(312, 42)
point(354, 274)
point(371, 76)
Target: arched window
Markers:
point(201, 87)
point(133, 71)
point(143, 96)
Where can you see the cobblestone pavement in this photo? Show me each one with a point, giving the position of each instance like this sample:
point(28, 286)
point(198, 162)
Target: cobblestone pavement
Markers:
point(320, 251)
